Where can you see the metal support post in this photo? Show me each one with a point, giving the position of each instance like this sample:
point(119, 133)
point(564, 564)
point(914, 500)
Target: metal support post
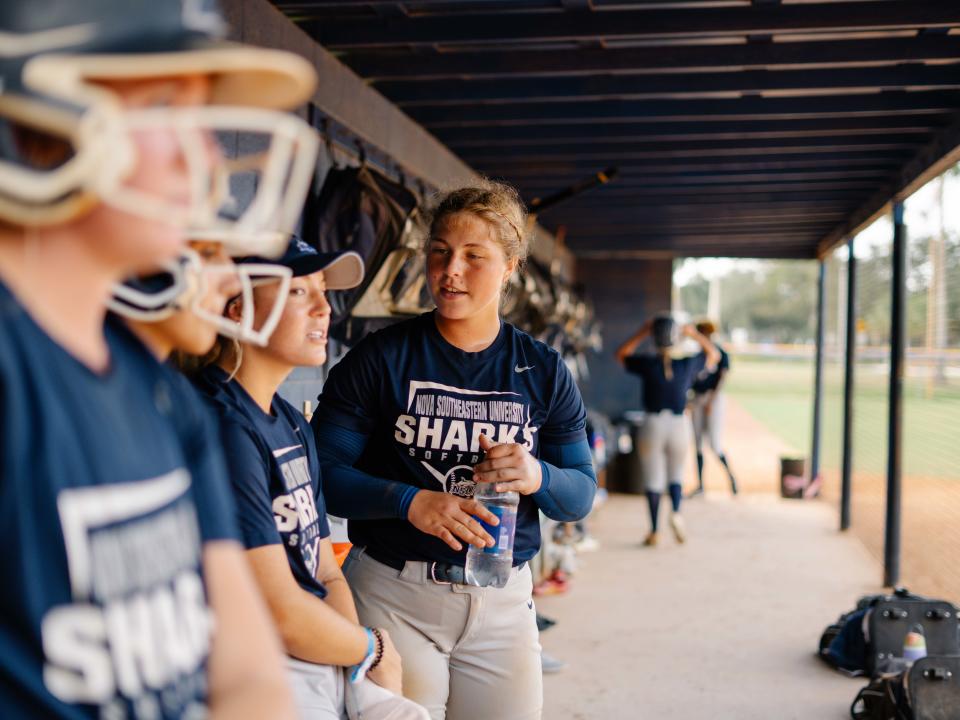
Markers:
point(818, 373)
point(848, 364)
point(891, 549)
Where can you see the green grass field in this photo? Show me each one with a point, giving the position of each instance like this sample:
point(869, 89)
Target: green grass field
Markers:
point(778, 393)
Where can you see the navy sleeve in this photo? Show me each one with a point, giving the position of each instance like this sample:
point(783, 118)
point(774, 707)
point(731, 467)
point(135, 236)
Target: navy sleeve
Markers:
point(567, 419)
point(569, 481)
point(352, 493)
point(351, 391)
point(724, 360)
point(216, 511)
point(638, 364)
point(250, 478)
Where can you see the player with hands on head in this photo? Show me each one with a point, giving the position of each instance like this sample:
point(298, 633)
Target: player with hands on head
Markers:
point(128, 595)
point(708, 410)
point(335, 665)
point(664, 436)
point(410, 420)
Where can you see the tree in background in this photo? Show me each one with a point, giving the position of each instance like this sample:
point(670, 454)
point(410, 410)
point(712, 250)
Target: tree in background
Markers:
point(773, 300)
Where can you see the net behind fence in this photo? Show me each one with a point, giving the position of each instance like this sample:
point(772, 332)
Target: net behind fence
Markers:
point(931, 416)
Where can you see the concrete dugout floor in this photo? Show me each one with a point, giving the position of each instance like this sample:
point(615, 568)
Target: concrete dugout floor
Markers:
point(722, 628)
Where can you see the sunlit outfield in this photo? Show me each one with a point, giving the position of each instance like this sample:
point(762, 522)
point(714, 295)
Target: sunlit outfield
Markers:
point(778, 393)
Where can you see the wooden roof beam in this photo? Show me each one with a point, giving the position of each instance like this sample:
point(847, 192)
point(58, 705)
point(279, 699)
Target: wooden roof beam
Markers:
point(732, 109)
point(432, 93)
point(932, 160)
point(656, 130)
point(635, 23)
point(377, 66)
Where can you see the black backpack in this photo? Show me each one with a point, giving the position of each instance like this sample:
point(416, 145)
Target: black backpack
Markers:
point(357, 209)
point(927, 690)
point(869, 638)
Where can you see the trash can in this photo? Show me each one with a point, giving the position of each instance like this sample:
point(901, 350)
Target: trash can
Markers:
point(793, 477)
point(625, 473)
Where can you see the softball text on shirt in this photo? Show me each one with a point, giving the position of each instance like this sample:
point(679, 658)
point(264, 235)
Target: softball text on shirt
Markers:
point(139, 620)
point(112, 483)
point(442, 426)
point(274, 473)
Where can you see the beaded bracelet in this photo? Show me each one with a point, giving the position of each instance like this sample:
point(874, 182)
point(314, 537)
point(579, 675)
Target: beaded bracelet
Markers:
point(376, 661)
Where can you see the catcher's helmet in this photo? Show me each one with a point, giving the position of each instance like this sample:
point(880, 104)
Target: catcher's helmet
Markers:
point(54, 52)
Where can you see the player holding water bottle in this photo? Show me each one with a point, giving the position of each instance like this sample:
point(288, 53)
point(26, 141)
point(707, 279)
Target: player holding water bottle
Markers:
point(409, 422)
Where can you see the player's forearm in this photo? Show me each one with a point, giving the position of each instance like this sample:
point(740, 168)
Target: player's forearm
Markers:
point(340, 598)
point(569, 481)
point(709, 349)
point(356, 495)
point(352, 493)
point(315, 631)
point(627, 348)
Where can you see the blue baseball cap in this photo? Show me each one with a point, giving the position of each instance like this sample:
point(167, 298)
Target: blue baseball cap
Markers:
point(341, 270)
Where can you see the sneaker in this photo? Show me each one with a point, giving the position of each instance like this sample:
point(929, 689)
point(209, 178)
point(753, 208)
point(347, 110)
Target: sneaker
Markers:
point(678, 527)
point(550, 663)
point(650, 540)
point(556, 584)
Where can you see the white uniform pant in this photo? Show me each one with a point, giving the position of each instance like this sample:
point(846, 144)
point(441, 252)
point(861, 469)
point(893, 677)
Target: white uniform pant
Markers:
point(323, 692)
point(468, 653)
point(709, 427)
point(664, 438)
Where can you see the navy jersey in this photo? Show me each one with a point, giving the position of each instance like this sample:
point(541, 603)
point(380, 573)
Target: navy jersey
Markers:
point(275, 475)
point(658, 392)
point(110, 483)
point(423, 404)
point(706, 380)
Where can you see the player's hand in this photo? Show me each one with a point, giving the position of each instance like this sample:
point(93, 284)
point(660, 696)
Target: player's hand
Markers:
point(449, 517)
point(389, 672)
point(510, 466)
point(689, 330)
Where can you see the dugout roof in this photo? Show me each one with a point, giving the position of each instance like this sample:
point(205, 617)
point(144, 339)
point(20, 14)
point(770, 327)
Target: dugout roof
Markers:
point(747, 129)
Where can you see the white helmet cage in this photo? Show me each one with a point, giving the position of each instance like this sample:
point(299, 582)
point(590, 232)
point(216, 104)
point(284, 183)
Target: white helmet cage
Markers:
point(190, 280)
point(248, 173)
point(54, 55)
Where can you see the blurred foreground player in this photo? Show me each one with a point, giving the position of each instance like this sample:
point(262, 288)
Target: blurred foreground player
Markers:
point(126, 591)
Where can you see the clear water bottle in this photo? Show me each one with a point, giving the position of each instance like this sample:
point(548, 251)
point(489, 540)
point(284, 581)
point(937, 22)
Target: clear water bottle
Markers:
point(915, 644)
point(491, 566)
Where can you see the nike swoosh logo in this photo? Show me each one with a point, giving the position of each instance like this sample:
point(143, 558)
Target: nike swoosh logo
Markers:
point(517, 369)
point(283, 451)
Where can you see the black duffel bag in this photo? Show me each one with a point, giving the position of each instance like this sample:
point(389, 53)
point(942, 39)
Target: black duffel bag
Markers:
point(927, 690)
point(890, 620)
point(869, 639)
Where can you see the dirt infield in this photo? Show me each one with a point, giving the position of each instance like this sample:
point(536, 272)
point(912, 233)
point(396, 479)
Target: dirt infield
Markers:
point(930, 532)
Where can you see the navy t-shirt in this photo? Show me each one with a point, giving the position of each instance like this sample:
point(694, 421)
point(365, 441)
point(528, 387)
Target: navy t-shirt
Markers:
point(275, 474)
point(423, 403)
point(707, 381)
point(111, 482)
point(658, 392)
